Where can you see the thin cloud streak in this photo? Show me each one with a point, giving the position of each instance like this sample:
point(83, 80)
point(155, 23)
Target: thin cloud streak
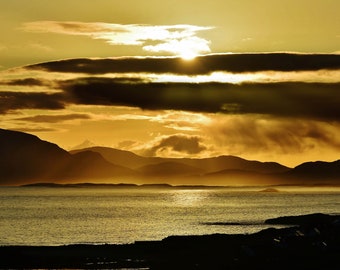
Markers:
point(319, 76)
point(54, 118)
point(24, 82)
point(176, 120)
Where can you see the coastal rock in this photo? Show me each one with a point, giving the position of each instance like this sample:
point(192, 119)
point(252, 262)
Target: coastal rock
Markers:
point(299, 247)
point(303, 220)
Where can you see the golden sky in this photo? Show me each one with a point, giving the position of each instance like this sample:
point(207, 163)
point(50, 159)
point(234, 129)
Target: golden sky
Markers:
point(256, 79)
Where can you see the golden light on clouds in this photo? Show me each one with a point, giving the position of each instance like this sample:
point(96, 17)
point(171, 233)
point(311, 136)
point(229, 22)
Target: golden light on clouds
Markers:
point(187, 48)
point(180, 40)
point(200, 79)
point(239, 104)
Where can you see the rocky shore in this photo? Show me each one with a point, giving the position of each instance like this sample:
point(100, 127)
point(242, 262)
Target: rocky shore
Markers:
point(310, 242)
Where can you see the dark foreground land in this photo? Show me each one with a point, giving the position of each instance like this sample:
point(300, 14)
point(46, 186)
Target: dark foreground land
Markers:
point(312, 242)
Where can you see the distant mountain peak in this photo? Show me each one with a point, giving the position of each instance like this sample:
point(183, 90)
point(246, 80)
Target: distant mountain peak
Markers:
point(85, 144)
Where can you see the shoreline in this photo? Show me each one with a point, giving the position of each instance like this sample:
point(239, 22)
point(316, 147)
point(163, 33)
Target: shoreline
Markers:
point(166, 186)
point(311, 242)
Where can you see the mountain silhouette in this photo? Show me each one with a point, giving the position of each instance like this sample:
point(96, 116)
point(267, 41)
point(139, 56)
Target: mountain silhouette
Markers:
point(92, 165)
point(169, 169)
point(222, 170)
point(315, 172)
point(206, 165)
point(25, 159)
point(243, 177)
point(24, 156)
point(120, 157)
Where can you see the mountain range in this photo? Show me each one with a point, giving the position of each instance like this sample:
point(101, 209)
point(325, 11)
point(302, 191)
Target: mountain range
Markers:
point(25, 159)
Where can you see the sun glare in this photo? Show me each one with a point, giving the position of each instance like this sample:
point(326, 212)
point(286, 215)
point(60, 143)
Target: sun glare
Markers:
point(188, 55)
point(189, 48)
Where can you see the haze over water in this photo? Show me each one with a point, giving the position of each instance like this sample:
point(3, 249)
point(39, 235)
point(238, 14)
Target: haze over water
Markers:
point(57, 216)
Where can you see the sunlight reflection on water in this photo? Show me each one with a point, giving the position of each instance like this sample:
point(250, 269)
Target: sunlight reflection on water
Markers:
point(56, 216)
point(189, 197)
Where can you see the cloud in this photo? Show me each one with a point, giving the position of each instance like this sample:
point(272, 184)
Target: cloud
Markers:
point(176, 120)
point(168, 38)
point(54, 118)
point(127, 144)
point(257, 134)
point(131, 82)
point(202, 65)
point(290, 99)
point(186, 47)
point(38, 129)
point(178, 143)
point(19, 100)
point(24, 82)
point(181, 121)
point(302, 100)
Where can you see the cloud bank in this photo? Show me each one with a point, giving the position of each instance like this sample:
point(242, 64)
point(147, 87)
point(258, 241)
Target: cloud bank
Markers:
point(302, 100)
point(234, 63)
point(131, 82)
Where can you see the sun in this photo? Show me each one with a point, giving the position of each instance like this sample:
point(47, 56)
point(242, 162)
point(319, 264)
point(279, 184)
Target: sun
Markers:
point(188, 55)
point(189, 48)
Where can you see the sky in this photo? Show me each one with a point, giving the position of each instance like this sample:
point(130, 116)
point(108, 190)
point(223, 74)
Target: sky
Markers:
point(259, 79)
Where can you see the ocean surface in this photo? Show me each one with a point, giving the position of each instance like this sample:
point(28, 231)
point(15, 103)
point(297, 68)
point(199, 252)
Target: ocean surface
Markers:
point(98, 215)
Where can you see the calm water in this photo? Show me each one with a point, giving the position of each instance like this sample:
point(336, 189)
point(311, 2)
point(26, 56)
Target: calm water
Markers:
point(56, 216)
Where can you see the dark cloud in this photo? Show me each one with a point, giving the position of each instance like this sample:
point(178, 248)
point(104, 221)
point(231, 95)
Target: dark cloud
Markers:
point(201, 65)
point(25, 82)
point(54, 118)
point(179, 143)
point(286, 99)
point(19, 100)
point(304, 100)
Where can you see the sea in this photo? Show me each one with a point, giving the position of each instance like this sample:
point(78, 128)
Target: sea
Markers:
point(53, 216)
